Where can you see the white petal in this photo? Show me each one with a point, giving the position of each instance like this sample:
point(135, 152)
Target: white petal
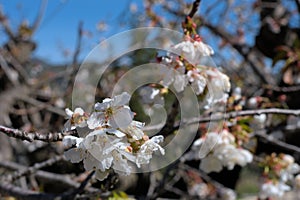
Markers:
point(90, 162)
point(121, 99)
point(106, 103)
point(211, 164)
point(74, 155)
point(96, 119)
point(121, 118)
point(79, 111)
point(116, 132)
point(69, 112)
point(69, 141)
point(100, 175)
point(180, 82)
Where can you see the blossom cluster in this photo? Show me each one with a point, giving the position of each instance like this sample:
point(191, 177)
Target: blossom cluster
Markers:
point(109, 138)
point(183, 67)
point(225, 152)
point(279, 170)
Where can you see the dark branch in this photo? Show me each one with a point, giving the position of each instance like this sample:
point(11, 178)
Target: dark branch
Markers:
point(35, 167)
point(12, 190)
point(230, 115)
point(194, 8)
point(23, 135)
point(242, 113)
point(278, 143)
point(289, 89)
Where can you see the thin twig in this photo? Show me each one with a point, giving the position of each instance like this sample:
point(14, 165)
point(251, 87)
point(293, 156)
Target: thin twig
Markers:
point(40, 15)
point(80, 189)
point(231, 115)
point(8, 189)
point(34, 168)
point(62, 179)
point(278, 143)
point(242, 113)
point(289, 89)
point(31, 136)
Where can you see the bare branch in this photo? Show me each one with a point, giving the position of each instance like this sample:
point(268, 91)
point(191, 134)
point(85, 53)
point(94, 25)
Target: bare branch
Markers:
point(39, 16)
point(23, 135)
point(9, 189)
point(276, 142)
point(44, 175)
point(80, 189)
point(242, 113)
point(229, 115)
point(34, 168)
point(289, 89)
point(194, 8)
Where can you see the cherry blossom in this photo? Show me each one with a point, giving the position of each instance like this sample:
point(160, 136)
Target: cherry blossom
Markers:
point(192, 51)
point(76, 119)
point(112, 112)
point(273, 190)
point(110, 144)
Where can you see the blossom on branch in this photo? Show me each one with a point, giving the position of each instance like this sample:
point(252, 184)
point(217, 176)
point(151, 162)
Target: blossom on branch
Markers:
point(113, 139)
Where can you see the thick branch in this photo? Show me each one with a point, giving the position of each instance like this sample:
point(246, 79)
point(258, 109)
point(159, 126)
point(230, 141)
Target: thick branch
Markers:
point(23, 135)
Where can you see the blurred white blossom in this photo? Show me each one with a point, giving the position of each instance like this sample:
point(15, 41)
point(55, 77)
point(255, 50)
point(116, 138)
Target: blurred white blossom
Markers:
point(192, 51)
point(273, 190)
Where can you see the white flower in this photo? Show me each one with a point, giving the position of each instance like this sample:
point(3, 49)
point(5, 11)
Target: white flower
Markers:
point(297, 181)
point(227, 137)
point(259, 121)
point(291, 168)
point(135, 130)
point(211, 164)
point(145, 153)
point(228, 194)
point(198, 82)
point(75, 119)
point(120, 164)
point(174, 76)
point(273, 190)
point(218, 86)
point(288, 159)
point(69, 141)
point(231, 156)
point(223, 152)
point(192, 51)
point(112, 112)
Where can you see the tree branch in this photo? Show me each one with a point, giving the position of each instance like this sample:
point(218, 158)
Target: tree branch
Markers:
point(34, 168)
point(242, 113)
point(289, 89)
point(230, 115)
point(63, 180)
point(194, 8)
point(278, 143)
point(9, 189)
point(31, 136)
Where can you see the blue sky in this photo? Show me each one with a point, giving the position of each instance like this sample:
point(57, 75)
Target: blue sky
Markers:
point(58, 29)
